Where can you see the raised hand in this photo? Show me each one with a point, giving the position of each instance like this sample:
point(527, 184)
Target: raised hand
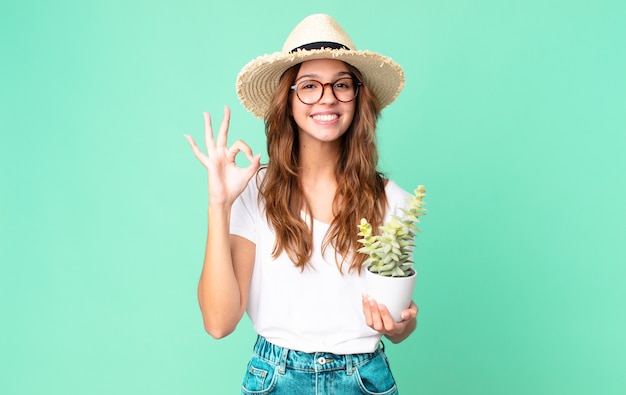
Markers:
point(226, 179)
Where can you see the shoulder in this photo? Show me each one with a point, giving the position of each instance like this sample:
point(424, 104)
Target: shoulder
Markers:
point(254, 184)
point(249, 197)
point(395, 193)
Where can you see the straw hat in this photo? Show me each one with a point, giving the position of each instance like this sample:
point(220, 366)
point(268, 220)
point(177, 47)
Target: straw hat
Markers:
point(318, 36)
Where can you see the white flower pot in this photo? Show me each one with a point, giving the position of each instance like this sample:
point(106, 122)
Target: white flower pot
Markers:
point(394, 292)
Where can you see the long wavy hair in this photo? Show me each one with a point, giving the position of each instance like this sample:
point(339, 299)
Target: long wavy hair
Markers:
point(360, 187)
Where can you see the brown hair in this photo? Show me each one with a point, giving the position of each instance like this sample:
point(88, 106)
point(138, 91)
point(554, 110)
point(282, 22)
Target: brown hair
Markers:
point(360, 187)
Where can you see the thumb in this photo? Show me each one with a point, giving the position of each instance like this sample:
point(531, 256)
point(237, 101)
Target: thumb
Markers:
point(255, 163)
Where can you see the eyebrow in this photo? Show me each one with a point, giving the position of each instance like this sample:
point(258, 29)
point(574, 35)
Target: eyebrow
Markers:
point(313, 75)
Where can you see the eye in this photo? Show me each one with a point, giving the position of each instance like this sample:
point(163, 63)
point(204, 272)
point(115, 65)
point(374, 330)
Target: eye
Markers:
point(308, 85)
point(343, 84)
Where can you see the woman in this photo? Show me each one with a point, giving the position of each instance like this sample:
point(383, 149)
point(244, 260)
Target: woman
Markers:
point(282, 238)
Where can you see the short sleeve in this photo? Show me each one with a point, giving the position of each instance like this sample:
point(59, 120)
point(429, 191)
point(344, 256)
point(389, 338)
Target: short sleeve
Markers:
point(244, 213)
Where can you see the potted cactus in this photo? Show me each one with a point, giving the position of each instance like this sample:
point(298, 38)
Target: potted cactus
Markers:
point(390, 276)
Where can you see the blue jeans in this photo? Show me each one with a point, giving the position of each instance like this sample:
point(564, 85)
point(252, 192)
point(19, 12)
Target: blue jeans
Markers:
point(280, 371)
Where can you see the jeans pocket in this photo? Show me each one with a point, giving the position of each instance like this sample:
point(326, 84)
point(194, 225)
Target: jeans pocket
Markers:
point(260, 377)
point(375, 378)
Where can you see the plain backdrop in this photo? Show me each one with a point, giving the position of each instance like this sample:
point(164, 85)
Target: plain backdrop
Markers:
point(513, 116)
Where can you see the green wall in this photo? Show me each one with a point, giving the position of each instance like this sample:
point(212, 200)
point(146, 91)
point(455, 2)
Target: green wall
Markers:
point(513, 116)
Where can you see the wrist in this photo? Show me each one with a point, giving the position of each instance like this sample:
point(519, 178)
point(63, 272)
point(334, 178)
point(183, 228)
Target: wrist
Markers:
point(219, 212)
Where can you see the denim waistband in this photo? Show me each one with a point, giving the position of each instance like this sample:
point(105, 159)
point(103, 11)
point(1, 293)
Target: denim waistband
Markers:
point(313, 362)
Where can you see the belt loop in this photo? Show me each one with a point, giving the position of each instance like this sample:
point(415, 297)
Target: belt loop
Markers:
point(349, 367)
point(257, 344)
point(282, 363)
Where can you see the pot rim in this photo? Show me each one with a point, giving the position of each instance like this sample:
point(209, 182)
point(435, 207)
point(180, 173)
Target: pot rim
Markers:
point(413, 273)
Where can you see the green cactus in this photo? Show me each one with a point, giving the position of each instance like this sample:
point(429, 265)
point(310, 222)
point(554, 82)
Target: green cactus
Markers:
point(390, 252)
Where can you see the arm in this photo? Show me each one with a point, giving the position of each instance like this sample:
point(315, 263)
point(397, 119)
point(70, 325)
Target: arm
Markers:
point(228, 261)
point(225, 280)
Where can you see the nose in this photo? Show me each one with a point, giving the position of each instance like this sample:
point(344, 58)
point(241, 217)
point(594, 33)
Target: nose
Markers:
point(328, 96)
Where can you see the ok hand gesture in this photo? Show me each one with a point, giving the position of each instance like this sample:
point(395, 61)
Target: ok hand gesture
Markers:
point(226, 180)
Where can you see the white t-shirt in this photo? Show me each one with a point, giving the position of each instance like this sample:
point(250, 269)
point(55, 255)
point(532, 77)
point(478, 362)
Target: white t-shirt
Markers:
point(315, 310)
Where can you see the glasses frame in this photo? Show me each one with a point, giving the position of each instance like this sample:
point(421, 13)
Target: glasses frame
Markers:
point(357, 84)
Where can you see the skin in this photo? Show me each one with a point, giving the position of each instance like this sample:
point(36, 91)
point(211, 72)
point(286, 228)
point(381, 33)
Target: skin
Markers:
point(225, 280)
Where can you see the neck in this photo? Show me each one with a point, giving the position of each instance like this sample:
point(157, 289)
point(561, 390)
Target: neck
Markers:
point(318, 161)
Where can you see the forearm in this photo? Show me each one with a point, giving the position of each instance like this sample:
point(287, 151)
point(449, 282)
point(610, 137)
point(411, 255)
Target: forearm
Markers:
point(219, 294)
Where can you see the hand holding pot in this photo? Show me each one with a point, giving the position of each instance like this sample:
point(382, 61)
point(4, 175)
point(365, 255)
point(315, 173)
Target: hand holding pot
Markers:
point(378, 318)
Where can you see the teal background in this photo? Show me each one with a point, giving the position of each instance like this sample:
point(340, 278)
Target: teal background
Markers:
point(513, 116)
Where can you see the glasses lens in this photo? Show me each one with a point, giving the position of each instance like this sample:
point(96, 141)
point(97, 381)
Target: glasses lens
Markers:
point(344, 89)
point(309, 91)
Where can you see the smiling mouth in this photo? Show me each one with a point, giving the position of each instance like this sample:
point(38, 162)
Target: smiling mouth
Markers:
point(325, 117)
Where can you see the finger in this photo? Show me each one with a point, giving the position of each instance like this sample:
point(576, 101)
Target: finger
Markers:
point(255, 163)
point(410, 313)
point(194, 147)
point(222, 135)
point(208, 133)
point(387, 320)
point(190, 140)
point(377, 322)
point(367, 312)
point(241, 146)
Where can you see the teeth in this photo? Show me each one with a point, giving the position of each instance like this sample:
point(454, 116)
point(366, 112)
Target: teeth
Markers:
point(325, 117)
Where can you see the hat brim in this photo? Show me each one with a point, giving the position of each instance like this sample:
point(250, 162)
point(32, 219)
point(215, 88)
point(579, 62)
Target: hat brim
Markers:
point(258, 80)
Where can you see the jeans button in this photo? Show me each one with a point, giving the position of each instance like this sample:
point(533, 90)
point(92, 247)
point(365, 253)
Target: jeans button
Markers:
point(321, 360)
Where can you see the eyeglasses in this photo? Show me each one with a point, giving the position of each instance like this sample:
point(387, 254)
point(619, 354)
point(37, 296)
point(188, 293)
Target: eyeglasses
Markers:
point(311, 91)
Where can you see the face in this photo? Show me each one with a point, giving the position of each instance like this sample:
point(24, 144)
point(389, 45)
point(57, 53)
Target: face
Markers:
point(329, 118)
